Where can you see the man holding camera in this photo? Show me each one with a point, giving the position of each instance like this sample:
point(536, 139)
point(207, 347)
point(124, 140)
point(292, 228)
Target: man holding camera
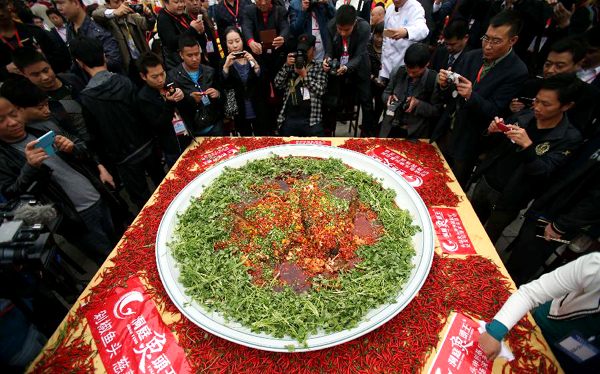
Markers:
point(487, 80)
point(311, 16)
point(128, 24)
point(305, 83)
point(346, 55)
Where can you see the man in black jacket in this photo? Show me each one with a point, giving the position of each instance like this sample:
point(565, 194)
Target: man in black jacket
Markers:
point(15, 35)
point(201, 108)
point(159, 108)
point(61, 179)
point(114, 122)
point(262, 17)
point(525, 155)
point(566, 56)
point(349, 38)
point(455, 47)
point(568, 207)
point(80, 24)
point(489, 79)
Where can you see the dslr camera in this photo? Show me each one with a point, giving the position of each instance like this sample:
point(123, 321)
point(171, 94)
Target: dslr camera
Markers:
point(334, 64)
point(301, 59)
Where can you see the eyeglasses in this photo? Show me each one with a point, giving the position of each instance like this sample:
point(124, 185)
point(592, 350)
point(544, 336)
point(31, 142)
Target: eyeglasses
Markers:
point(494, 41)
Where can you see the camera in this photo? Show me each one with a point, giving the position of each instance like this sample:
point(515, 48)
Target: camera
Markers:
point(334, 64)
point(452, 77)
point(313, 3)
point(301, 59)
point(138, 8)
point(239, 55)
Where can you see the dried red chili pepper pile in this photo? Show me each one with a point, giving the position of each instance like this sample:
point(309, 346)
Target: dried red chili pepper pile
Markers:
point(435, 192)
point(473, 285)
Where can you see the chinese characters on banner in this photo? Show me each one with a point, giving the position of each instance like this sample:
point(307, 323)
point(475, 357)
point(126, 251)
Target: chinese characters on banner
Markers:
point(414, 174)
point(450, 231)
point(316, 142)
point(217, 155)
point(131, 336)
point(460, 352)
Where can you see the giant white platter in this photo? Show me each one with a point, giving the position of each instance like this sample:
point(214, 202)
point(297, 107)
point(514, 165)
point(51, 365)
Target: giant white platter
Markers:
point(407, 198)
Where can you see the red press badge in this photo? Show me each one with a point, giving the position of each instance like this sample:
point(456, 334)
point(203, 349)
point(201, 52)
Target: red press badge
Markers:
point(131, 336)
point(451, 232)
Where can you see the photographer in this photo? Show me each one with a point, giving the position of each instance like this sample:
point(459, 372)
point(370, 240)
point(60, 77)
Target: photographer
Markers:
point(128, 24)
point(201, 108)
point(566, 56)
point(172, 24)
point(242, 74)
point(311, 17)
point(526, 152)
point(305, 83)
point(159, 108)
point(62, 178)
point(347, 53)
point(409, 92)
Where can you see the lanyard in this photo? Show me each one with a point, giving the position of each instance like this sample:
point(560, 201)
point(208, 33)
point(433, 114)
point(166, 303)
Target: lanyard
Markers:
point(12, 48)
point(345, 42)
point(181, 20)
point(237, 8)
point(592, 78)
point(479, 74)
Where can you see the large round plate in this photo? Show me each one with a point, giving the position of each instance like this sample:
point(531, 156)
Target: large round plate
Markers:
point(407, 198)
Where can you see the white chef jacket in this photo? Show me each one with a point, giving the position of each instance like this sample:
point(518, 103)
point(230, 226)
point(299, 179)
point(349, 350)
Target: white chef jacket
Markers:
point(410, 16)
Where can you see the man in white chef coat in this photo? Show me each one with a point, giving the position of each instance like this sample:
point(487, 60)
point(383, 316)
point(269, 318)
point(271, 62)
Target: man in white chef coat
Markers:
point(404, 25)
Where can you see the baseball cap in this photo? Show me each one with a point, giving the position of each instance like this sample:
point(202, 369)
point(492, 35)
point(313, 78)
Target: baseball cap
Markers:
point(305, 41)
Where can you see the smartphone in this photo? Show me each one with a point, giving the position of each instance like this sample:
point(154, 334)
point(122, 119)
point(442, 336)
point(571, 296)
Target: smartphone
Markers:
point(239, 55)
point(527, 101)
point(46, 141)
point(500, 125)
point(170, 88)
point(199, 18)
point(387, 32)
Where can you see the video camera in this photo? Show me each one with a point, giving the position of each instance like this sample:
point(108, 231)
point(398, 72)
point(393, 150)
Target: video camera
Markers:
point(26, 238)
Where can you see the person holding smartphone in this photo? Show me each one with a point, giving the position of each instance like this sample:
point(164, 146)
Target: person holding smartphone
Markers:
point(242, 74)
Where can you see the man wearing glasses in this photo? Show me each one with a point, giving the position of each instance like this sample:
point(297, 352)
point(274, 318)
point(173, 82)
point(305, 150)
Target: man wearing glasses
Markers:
point(489, 79)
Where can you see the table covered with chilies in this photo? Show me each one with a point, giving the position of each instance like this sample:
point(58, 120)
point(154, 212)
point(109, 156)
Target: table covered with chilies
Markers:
point(467, 277)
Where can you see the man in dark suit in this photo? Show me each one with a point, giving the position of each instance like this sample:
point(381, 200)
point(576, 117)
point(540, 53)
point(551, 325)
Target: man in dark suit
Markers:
point(348, 45)
point(263, 16)
point(455, 47)
point(590, 69)
point(489, 79)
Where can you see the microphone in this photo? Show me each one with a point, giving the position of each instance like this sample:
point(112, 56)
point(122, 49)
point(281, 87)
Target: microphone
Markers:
point(33, 214)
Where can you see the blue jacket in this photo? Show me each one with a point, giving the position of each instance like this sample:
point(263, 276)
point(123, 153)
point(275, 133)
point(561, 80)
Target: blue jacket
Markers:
point(301, 21)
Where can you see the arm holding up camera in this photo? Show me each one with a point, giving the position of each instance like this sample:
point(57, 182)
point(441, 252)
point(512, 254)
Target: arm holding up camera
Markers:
point(281, 79)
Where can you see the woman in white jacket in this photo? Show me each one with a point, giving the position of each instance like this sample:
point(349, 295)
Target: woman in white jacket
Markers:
point(567, 301)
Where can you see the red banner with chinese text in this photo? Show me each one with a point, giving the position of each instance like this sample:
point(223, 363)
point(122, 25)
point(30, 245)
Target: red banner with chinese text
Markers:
point(460, 352)
point(217, 155)
point(414, 174)
point(131, 336)
point(316, 142)
point(450, 231)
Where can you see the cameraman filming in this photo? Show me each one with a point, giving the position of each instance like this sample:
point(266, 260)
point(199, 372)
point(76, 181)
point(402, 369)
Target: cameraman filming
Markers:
point(305, 83)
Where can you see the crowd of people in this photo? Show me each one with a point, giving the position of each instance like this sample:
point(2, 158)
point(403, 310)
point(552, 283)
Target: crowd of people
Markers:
point(509, 90)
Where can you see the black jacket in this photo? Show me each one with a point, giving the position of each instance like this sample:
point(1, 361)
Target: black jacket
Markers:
point(195, 115)
point(440, 58)
point(572, 200)
point(540, 160)
point(359, 61)
point(92, 30)
point(169, 31)
point(112, 117)
point(493, 93)
point(17, 176)
point(30, 35)
point(255, 89)
point(159, 113)
point(582, 114)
